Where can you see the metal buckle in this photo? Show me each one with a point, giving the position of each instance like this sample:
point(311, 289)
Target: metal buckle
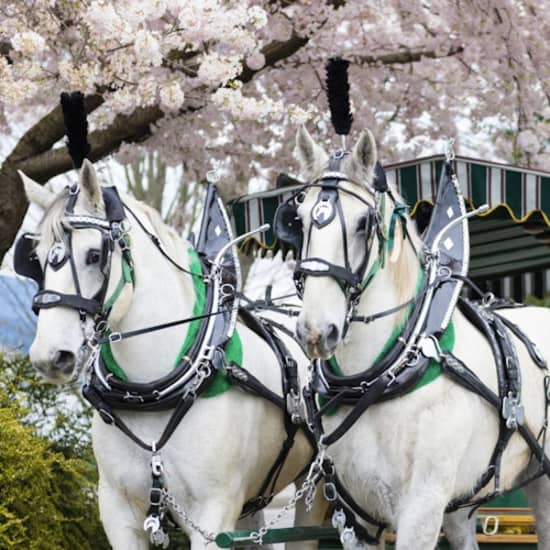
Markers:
point(114, 337)
point(155, 496)
point(106, 416)
point(512, 411)
point(157, 468)
point(329, 490)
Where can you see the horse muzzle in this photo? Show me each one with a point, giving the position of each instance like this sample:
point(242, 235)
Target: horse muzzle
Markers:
point(319, 341)
point(58, 367)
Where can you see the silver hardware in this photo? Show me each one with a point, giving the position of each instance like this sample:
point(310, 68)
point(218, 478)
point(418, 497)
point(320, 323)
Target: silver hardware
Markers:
point(512, 411)
point(57, 253)
point(449, 150)
point(157, 535)
point(306, 491)
point(294, 407)
point(493, 530)
point(156, 463)
point(174, 507)
point(114, 337)
point(429, 347)
point(338, 519)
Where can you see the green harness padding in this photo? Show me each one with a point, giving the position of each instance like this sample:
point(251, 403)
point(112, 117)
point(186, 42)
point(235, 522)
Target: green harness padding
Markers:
point(446, 343)
point(233, 348)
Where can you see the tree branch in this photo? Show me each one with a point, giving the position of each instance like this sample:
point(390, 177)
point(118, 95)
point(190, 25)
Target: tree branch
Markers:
point(405, 56)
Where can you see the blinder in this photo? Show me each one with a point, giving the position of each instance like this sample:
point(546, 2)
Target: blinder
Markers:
point(25, 260)
point(288, 226)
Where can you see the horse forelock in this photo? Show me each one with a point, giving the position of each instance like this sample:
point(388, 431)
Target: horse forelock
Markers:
point(52, 226)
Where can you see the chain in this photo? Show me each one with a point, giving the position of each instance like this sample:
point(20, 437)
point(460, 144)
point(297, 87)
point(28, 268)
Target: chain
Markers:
point(175, 507)
point(307, 491)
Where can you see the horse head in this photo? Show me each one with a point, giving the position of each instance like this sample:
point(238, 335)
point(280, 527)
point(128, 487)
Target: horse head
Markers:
point(78, 265)
point(352, 224)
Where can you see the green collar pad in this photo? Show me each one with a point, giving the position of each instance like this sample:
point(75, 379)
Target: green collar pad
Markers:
point(446, 343)
point(233, 349)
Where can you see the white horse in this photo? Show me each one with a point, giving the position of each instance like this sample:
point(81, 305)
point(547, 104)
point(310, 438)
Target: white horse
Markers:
point(222, 450)
point(405, 459)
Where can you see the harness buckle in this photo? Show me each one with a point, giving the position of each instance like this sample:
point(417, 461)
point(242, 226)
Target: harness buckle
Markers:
point(329, 491)
point(114, 337)
point(512, 411)
point(106, 416)
point(157, 468)
point(155, 496)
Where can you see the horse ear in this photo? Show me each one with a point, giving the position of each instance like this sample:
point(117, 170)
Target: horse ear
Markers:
point(312, 157)
point(36, 193)
point(90, 185)
point(363, 157)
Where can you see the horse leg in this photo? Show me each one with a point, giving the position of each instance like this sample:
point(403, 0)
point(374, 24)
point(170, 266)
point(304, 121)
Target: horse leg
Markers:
point(461, 530)
point(212, 517)
point(304, 518)
point(122, 521)
point(419, 522)
point(538, 494)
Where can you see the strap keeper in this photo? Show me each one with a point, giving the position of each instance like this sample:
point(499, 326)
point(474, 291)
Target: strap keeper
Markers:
point(155, 496)
point(115, 337)
point(106, 416)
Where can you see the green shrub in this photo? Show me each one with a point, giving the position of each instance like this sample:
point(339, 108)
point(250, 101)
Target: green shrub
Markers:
point(47, 473)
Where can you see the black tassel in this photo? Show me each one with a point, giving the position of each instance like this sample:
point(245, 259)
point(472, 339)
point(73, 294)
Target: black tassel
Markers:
point(76, 126)
point(338, 95)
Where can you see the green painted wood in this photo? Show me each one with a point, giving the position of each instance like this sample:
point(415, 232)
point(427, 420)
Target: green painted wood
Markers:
point(513, 268)
point(479, 184)
point(231, 539)
point(239, 216)
point(507, 245)
point(545, 194)
point(269, 206)
point(513, 191)
point(409, 184)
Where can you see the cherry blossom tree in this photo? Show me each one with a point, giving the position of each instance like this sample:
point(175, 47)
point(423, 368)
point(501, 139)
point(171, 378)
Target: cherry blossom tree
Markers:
point(225, 82)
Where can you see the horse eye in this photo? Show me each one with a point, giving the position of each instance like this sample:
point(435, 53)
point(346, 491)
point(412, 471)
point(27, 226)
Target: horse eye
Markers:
point(362, 224)
point(93, 256)
point(300, 197)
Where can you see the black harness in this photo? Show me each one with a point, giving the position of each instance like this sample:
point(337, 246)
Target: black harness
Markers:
point(404, 364)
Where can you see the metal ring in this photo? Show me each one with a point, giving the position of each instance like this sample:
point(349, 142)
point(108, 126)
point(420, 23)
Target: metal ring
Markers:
point(486, 524)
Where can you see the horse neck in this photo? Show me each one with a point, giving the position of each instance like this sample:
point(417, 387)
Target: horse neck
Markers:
point(162, 293)
point(393, 285)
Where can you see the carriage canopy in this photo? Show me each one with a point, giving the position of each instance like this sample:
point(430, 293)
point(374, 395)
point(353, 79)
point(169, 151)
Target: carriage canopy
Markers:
point(509, 243)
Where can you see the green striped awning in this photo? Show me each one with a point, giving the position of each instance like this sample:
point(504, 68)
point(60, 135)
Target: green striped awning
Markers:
point(499, 243)
point(520, 191)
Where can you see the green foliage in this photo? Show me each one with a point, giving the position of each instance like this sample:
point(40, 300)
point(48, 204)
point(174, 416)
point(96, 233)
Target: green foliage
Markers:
point(534, 301)
point(47, 473)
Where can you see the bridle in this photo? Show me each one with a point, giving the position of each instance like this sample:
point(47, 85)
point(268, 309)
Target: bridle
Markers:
point(288, 227)
point(114, 233)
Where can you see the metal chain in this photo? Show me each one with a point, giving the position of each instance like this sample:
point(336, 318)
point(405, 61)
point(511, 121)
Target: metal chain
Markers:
point(175, 507)
point(307, 490)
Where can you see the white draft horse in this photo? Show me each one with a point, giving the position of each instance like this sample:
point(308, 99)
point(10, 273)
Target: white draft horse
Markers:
point(405, 459)
point(220, 453)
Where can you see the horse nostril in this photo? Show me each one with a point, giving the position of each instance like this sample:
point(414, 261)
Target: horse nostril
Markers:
point(332, 335)
point(63, 360)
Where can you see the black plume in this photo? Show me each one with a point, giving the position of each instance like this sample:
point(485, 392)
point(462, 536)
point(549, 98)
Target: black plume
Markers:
point(76, 126)
point(338, 95)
